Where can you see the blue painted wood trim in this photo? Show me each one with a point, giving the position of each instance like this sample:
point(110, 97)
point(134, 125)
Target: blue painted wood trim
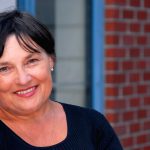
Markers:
point(27, 5)
point(98, 55)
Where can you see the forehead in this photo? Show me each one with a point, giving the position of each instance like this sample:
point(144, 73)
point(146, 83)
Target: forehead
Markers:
point(24, 41)
point(13, 49)
point(11, 42)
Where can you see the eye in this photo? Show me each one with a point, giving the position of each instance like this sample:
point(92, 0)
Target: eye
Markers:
point(4, 69)
point(32, 61)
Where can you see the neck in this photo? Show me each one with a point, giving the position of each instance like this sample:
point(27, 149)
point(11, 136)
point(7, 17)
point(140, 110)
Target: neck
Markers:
point(37, 116)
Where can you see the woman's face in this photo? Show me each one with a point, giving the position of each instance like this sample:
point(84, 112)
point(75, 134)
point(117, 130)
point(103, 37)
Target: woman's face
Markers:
point(25, 79)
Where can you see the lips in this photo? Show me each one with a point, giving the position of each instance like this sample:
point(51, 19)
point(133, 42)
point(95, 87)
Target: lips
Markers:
point(26, 92)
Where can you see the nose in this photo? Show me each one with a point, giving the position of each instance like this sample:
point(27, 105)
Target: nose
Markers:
point(22, 77)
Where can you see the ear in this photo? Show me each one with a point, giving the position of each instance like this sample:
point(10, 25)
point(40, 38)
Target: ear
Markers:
point(51, 62)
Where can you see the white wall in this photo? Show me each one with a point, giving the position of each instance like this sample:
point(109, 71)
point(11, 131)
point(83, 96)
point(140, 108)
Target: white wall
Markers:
point(70, 50)
point(7, 5)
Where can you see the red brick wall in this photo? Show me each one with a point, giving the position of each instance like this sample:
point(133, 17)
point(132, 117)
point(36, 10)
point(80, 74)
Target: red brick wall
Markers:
point(127, 71)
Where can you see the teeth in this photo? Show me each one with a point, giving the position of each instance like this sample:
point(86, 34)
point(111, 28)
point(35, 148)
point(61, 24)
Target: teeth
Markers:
point(26, 91)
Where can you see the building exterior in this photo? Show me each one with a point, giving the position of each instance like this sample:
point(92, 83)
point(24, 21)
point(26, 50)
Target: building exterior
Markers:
point(127, 70)
point(103, 59)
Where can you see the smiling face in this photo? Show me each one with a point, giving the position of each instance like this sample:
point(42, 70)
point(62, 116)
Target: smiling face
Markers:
point(25, 79)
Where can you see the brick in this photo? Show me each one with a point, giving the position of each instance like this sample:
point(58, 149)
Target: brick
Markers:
point(116, 2)
point(146, 148)
point(115, 52)
point(135, 27)
point(129, 115)
point(128, 141)
point(134, 77)
point(147, 63)
point(112, 65)
point(146, 3)
point(112, 13)
point(112, 39)
point(134, 52)
point(142, 15)
point(147, 28)
point(147, 125)
point(134, 102)
point(115, 78)
point(141, 114)
point(127, 90)
point(147, 100)
point(147, 52)
point(146, 76)
point(135, 3)
point(116, 26)
point(142, 40)
point(135, 127)
point(136, 149)
point(142, 89)
point(141, 64)
point(112, 91)
point(141, 139)
point(112, 117)
point(128, 14)
point(120, 129)
point(115, 104)
point(128, 39)
point(127, 65)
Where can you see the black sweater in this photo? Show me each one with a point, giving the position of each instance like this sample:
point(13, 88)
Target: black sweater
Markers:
point(87, 130)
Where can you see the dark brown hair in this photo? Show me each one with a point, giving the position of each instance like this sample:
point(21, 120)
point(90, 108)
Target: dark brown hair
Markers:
point(28, 31)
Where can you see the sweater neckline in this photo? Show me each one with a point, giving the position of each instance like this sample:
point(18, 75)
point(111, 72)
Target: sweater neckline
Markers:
point(60, 144)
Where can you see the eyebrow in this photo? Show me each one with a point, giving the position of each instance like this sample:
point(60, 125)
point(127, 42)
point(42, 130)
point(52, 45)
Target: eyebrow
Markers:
point(4, 63)
point(26, 57)
point(29, 56)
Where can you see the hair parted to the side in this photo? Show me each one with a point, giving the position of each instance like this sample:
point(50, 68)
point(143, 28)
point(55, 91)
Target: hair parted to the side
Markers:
point(29, 32)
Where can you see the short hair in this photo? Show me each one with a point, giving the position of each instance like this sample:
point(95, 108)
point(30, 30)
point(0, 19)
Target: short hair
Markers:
point(28, 30)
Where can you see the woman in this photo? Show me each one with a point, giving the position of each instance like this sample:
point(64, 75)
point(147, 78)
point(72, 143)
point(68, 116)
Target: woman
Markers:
point(29, 120)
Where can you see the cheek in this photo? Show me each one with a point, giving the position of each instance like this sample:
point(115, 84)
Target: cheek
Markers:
point(6, 84)
point(45, 80)
point(42, 75)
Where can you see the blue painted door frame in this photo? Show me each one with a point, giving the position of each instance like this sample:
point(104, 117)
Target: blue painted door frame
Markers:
point(27, 5)
point(98, 55)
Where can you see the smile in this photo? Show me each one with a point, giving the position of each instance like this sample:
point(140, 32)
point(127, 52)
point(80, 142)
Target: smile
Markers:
point(27, 92)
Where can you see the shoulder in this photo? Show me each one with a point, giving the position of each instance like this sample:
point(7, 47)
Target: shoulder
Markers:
point(2, 134)
point(76, 108)
point(88, 114)
point(97, 125)
point(81, 110)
